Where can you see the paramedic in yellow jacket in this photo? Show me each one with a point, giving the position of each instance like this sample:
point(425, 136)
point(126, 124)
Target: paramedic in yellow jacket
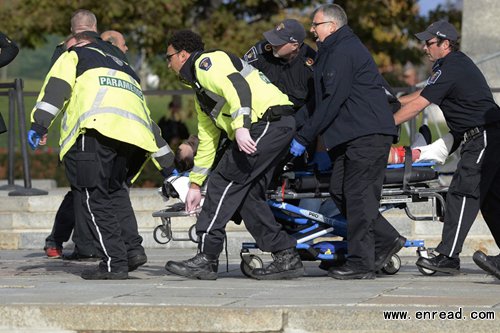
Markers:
point(235, 98)
point(106, 136)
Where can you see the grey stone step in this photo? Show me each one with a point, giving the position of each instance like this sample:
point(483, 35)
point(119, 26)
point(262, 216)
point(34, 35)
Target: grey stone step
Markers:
point(25, 222)
point(41, 184)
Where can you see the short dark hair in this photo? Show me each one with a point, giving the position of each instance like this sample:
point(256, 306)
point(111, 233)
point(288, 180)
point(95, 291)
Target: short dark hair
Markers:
point(454, 44)
point(186, 40)
point(186, 163)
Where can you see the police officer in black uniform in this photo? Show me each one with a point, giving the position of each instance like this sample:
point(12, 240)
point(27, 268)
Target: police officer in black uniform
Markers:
point(461, 91)
point(286, 60)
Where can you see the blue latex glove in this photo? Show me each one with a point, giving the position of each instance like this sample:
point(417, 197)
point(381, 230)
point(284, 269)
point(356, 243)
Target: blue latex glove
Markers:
point(167, 172)
point(296, 149)
point(322, 160)
point(33, 139)
point(175, 172)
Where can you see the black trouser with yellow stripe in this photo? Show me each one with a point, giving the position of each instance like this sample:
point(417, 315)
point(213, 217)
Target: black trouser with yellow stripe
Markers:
point(97, 168)
point(239, 184)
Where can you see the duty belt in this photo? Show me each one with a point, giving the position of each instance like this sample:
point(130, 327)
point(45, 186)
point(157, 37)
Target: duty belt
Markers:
point(473, 132)
point(274, 113)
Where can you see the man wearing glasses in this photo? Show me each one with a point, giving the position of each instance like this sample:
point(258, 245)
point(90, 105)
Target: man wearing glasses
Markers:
point(232, 97)
point(355, 120)
point(461, 91)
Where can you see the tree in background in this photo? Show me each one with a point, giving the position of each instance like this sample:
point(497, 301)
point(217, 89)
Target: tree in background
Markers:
point(385, 26)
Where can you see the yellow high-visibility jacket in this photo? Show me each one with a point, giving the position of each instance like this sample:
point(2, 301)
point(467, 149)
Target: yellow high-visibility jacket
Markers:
point(96, 90)
point(229, 94)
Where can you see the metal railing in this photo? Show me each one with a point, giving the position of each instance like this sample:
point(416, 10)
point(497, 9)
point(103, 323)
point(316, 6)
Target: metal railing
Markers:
point(14, 91)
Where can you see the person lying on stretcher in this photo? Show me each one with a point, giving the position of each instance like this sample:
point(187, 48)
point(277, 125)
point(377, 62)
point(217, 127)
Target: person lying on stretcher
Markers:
point(422, 151)
point(437, 152)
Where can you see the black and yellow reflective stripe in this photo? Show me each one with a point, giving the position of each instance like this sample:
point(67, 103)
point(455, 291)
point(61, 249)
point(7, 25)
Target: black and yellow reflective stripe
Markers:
point(201, 171)
point(47, 107)
point(165, 150)
point(99, 111)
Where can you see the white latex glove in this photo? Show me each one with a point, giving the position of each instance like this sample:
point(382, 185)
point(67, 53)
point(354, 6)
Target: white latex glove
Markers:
point(245, 141)
point(193, 199)
point(437, 151)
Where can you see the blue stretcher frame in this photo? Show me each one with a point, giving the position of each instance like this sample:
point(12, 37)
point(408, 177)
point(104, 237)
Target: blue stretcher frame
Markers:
point(316, 225)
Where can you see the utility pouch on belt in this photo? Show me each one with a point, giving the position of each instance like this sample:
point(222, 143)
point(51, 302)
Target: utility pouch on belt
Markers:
point(276, 112)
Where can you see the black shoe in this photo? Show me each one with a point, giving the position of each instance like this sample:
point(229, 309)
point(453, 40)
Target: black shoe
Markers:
point(136, 261)
point(490, 264)
point(202, 266)
point(98, 274)
point(327, 264)
point(347, 272)
point(286, 265)
point(426, 133)
point(385, 256)
point(78, 256)
point(441, 263)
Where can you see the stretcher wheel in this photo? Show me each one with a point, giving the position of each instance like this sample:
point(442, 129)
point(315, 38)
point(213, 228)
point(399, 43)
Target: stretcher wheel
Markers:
point(192, 234)
point(427, 271)
point(393, 266)
point(249, 263)
point(161, 235)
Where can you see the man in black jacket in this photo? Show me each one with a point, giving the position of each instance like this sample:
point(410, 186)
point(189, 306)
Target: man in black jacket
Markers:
point(355, 121)
point(8, 50)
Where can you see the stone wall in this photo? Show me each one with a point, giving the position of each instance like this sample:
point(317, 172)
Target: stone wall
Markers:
point(481, 38)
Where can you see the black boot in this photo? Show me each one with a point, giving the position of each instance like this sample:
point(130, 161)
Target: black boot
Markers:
point(441, 263)
point(490, 264)
point(286, 265)
point(426, 133)
point(202, 267)
point(136, 261)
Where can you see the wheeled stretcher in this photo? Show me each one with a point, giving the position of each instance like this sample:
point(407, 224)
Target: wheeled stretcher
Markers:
point(322, 237)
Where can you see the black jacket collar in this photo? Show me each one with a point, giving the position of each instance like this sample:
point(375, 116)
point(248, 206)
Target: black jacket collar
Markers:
point(187, 73)
point(440, 61)
point(336, 37)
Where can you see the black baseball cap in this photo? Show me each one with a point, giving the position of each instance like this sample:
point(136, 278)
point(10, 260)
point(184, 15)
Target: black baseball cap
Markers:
point(288, 31)
point(441, 29)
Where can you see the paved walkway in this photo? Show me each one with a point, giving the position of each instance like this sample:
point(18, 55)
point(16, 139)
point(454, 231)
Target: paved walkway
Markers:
point(45, 295)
